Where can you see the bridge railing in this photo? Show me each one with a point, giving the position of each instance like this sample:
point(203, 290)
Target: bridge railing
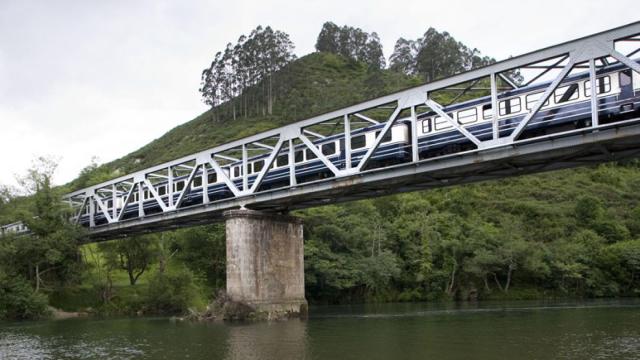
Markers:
point(234, 165)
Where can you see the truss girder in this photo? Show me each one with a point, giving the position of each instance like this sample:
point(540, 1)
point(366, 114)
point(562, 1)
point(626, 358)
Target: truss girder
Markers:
point(290, 138)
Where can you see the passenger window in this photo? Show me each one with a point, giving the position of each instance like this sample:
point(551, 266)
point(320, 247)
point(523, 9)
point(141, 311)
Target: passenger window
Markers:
point(329, 149)
point(467, 116)
point(442, 123)
point(386, 138)
point(566, 93)
point(178, 186)
point(604, 86)
point(299, 156)
point(426, 126)
point(487, 111)
point(110, 204)
point(146, 194)
point(197, 182)
point(358, 142)
point(237, 171)
point(532, 99)
point(510, 106)
point(310, 155)
point(162, 190)
point(258, 165)
point(212, 178)
point(135, 197)
point(283, 160)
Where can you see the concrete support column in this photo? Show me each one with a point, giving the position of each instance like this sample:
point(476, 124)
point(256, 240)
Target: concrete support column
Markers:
point(265, 263)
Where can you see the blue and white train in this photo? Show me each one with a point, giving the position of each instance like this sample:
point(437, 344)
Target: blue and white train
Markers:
point(17, 228)
point(569, 107)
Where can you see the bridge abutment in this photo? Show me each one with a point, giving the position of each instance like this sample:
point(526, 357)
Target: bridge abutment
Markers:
point(265, 263)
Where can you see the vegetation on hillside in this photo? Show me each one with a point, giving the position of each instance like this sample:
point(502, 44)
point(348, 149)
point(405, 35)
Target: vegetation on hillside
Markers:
point(567, 233)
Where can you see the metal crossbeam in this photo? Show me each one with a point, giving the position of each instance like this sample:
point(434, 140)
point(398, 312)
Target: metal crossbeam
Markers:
point(344, 180)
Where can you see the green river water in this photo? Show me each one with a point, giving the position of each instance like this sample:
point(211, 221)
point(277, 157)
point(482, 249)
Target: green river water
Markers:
point(491, 330)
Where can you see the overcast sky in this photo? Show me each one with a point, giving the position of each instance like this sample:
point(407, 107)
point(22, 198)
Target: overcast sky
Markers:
point(102, 78)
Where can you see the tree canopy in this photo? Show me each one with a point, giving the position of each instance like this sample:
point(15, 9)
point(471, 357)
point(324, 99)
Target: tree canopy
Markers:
point(435, 55)
point(352, 43)
point(253, 60)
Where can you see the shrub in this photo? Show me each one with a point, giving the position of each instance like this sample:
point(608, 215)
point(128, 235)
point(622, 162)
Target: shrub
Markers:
point(18, 301)
point(171, 292)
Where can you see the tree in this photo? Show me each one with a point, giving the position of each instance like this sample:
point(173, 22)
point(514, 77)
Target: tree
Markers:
point(52, 246)
point(133, 254)
point(352, 43)
point(435, 55)
point(404, 56)
point(247, 71)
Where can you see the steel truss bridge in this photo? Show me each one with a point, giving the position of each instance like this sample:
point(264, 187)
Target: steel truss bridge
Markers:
point(494, 156)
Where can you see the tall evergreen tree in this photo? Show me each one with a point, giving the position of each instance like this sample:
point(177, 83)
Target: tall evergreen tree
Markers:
point(352, 43)
point(246, 71)
point(435, 55)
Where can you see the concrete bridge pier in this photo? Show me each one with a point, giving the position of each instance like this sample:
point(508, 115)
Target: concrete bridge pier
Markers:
point(265, 263)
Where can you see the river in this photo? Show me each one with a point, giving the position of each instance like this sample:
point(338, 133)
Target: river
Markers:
point(488, 330)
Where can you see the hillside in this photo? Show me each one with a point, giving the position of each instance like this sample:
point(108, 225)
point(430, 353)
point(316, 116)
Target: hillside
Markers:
point(565, 233)
point(315, 84)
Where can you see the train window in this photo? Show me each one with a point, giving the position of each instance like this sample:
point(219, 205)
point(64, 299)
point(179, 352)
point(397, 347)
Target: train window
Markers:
point(604, 86)
point(329, 149)
point(426, 126)
point(566, 93)
point(510, 106)
point(532, 99)
point(386, 138)
point(442, 123)
point(178, 186)
point(212, 178)
point(147, 194)
point(487, 111)
point(162, 190)
point(358, 142)
point(299, 156)
point(283, 160)
point(467, 116)
point(237, 171)
point(135, 197)
point(310, 154)
point(258, 165)
point(197, 181)
point(110, 204)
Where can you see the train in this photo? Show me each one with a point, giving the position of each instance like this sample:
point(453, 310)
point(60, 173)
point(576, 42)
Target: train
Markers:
point(568, 108)
point(16, 228)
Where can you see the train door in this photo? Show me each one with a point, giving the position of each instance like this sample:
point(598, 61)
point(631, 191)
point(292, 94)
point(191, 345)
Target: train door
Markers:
point(626, 84)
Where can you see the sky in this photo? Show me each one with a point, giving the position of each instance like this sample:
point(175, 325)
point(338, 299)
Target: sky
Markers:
point(84, 79)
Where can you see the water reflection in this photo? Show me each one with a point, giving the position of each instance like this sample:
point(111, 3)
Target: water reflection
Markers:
point(266, 341)
point(504, 330)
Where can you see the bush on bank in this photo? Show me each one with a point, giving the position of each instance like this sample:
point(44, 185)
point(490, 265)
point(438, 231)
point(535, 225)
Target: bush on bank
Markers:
point(18, 301)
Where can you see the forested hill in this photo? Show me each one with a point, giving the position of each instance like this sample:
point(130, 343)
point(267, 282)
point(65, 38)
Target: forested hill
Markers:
point(565, 233)
point(312, 85)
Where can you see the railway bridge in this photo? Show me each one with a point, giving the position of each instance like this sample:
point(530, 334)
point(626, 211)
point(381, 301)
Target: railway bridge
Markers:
point(568, 105)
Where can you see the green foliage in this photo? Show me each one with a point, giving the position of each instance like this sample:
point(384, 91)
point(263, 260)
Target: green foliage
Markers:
point(133, 254)
point(351, 43)
point(18, 301)
point(202, 249)
point(566, 233)
point(435, 55)
point(48, 256)
point(234, 75)
point(171, 292)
